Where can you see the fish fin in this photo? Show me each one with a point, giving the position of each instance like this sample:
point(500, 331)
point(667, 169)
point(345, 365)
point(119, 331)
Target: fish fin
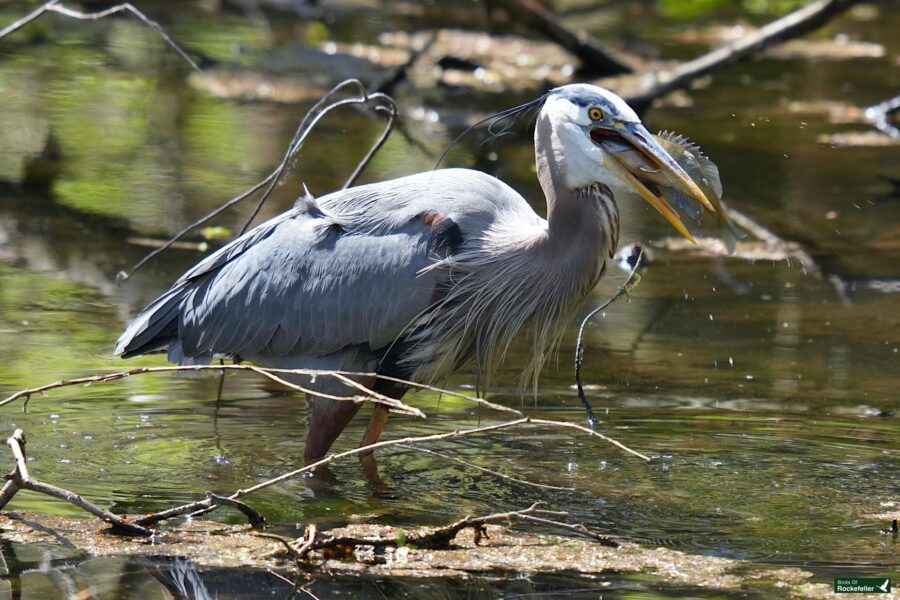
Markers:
point(730, 232)
point(691, 210)
point(707, 167)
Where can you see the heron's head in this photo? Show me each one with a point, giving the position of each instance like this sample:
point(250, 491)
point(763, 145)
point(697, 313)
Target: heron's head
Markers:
point(595, 137)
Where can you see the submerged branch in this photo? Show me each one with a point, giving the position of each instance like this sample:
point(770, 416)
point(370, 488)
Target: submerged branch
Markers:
point(441, 538)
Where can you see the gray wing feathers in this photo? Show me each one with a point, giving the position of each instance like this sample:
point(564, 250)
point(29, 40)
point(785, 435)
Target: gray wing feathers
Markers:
point(291, 294)
point(343, 270)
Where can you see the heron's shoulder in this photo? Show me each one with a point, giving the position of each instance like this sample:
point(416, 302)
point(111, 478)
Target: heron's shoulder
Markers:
point(457, 191)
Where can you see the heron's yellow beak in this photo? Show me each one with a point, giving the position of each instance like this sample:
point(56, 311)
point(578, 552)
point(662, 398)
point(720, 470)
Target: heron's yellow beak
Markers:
point(640, 161)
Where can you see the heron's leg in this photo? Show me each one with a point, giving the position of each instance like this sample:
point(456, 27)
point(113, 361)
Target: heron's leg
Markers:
point(373, 432)
point(367, 459)
point(380, 415)
point(327, 419)
point(376, 426)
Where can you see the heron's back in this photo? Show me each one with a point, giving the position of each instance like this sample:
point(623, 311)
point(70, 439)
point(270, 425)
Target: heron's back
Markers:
point(334, 282)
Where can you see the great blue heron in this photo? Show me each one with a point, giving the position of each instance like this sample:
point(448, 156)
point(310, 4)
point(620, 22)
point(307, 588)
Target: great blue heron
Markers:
point(416, 276)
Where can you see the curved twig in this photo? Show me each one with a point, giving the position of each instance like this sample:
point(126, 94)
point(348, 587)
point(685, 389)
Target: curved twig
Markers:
point(383, 104)
point(313, 116)
point(633, 280)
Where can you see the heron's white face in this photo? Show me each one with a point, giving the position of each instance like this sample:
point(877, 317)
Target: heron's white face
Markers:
point(600, 139)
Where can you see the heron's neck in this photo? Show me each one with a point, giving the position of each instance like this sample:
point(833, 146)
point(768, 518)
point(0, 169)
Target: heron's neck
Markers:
point(583, 221)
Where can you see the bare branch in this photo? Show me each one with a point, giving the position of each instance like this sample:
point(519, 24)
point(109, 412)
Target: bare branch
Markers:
point(256, 519)
point(381, 103)
point(371, 396)
point(57, 7)
point(424, 386)
point(580, 529)
point(305, 543)
point(795, 24)
point(313, 116)
point(434, 539)
point(20, 479)
point(15, 26)
point(594, 59)
point(202, 506)
point(81, 502)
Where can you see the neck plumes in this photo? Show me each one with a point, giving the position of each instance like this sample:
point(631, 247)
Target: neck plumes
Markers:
point(582, 221)
point(519, 277)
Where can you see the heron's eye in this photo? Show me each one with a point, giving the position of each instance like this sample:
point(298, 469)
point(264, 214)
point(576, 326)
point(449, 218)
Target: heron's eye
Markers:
point(595, 113)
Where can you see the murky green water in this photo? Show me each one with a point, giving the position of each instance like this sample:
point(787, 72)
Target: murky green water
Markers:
point(767, 393)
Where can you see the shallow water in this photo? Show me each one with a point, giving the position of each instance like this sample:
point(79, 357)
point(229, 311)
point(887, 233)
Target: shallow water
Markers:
point(767, 393)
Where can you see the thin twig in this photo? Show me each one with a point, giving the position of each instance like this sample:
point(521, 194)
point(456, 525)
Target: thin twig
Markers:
point(629, 284)
point(801, 21)
point(57, 7)
point(398, 406)
point(85, 504)
point(20, 479)
point(391, 110)
point(382, 103)
point(372, 395)
point(313, 116)
point(580, 529)
point(269, 373)
point(431, 388)
point(202, 506)
point(589, 431)
point(488, 471)
point(16, 25)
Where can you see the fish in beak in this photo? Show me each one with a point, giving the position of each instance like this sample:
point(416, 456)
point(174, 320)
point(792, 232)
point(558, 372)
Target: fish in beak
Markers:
point(639, 159)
